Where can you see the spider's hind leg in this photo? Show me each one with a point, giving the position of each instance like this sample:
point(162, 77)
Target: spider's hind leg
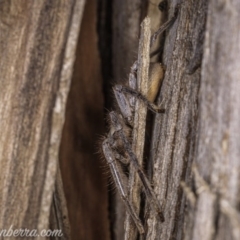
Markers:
point(121, 185)
point(117, 124)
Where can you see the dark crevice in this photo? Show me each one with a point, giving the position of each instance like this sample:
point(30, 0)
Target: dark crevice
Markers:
point(104, 31)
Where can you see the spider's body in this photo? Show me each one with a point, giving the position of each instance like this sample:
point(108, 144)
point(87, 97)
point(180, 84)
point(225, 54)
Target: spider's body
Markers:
point(117, 146)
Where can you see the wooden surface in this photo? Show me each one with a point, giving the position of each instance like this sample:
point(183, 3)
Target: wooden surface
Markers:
point(138, 135)
point(218, 147)
point(194, 156)
point(174, 132)
point(35, 72)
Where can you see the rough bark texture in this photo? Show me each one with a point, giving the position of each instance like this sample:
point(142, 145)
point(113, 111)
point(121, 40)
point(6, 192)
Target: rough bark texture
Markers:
point(174, 132)
point(140, 116)
point(218, 148)
point(37, 44)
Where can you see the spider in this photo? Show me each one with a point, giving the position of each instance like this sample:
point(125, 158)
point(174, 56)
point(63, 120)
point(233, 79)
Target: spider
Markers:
point(117, 148)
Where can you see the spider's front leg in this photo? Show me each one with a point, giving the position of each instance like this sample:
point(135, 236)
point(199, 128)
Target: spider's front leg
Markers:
point(126, 96)
point(119, 177)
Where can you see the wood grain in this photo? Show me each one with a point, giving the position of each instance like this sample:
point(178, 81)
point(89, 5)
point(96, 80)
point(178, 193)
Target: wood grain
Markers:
point(35, 72)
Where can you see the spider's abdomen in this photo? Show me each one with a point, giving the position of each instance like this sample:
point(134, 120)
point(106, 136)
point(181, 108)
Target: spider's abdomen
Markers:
point(156, 74)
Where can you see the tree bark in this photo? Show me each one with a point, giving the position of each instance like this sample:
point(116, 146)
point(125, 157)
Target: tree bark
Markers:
point(174, 132)
point(218, 149)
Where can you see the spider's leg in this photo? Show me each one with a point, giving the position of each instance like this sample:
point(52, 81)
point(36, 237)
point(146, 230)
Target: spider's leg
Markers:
point(123, 89)
point(165, 26)
point(117, 175)
point(124, 104)
point(127, 103)
point(151, 196)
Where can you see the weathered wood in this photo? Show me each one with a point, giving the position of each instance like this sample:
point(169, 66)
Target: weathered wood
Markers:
point(140, 117)
point(37, 44)
point(59, 205)
point(174, 132)
point(218, 148)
